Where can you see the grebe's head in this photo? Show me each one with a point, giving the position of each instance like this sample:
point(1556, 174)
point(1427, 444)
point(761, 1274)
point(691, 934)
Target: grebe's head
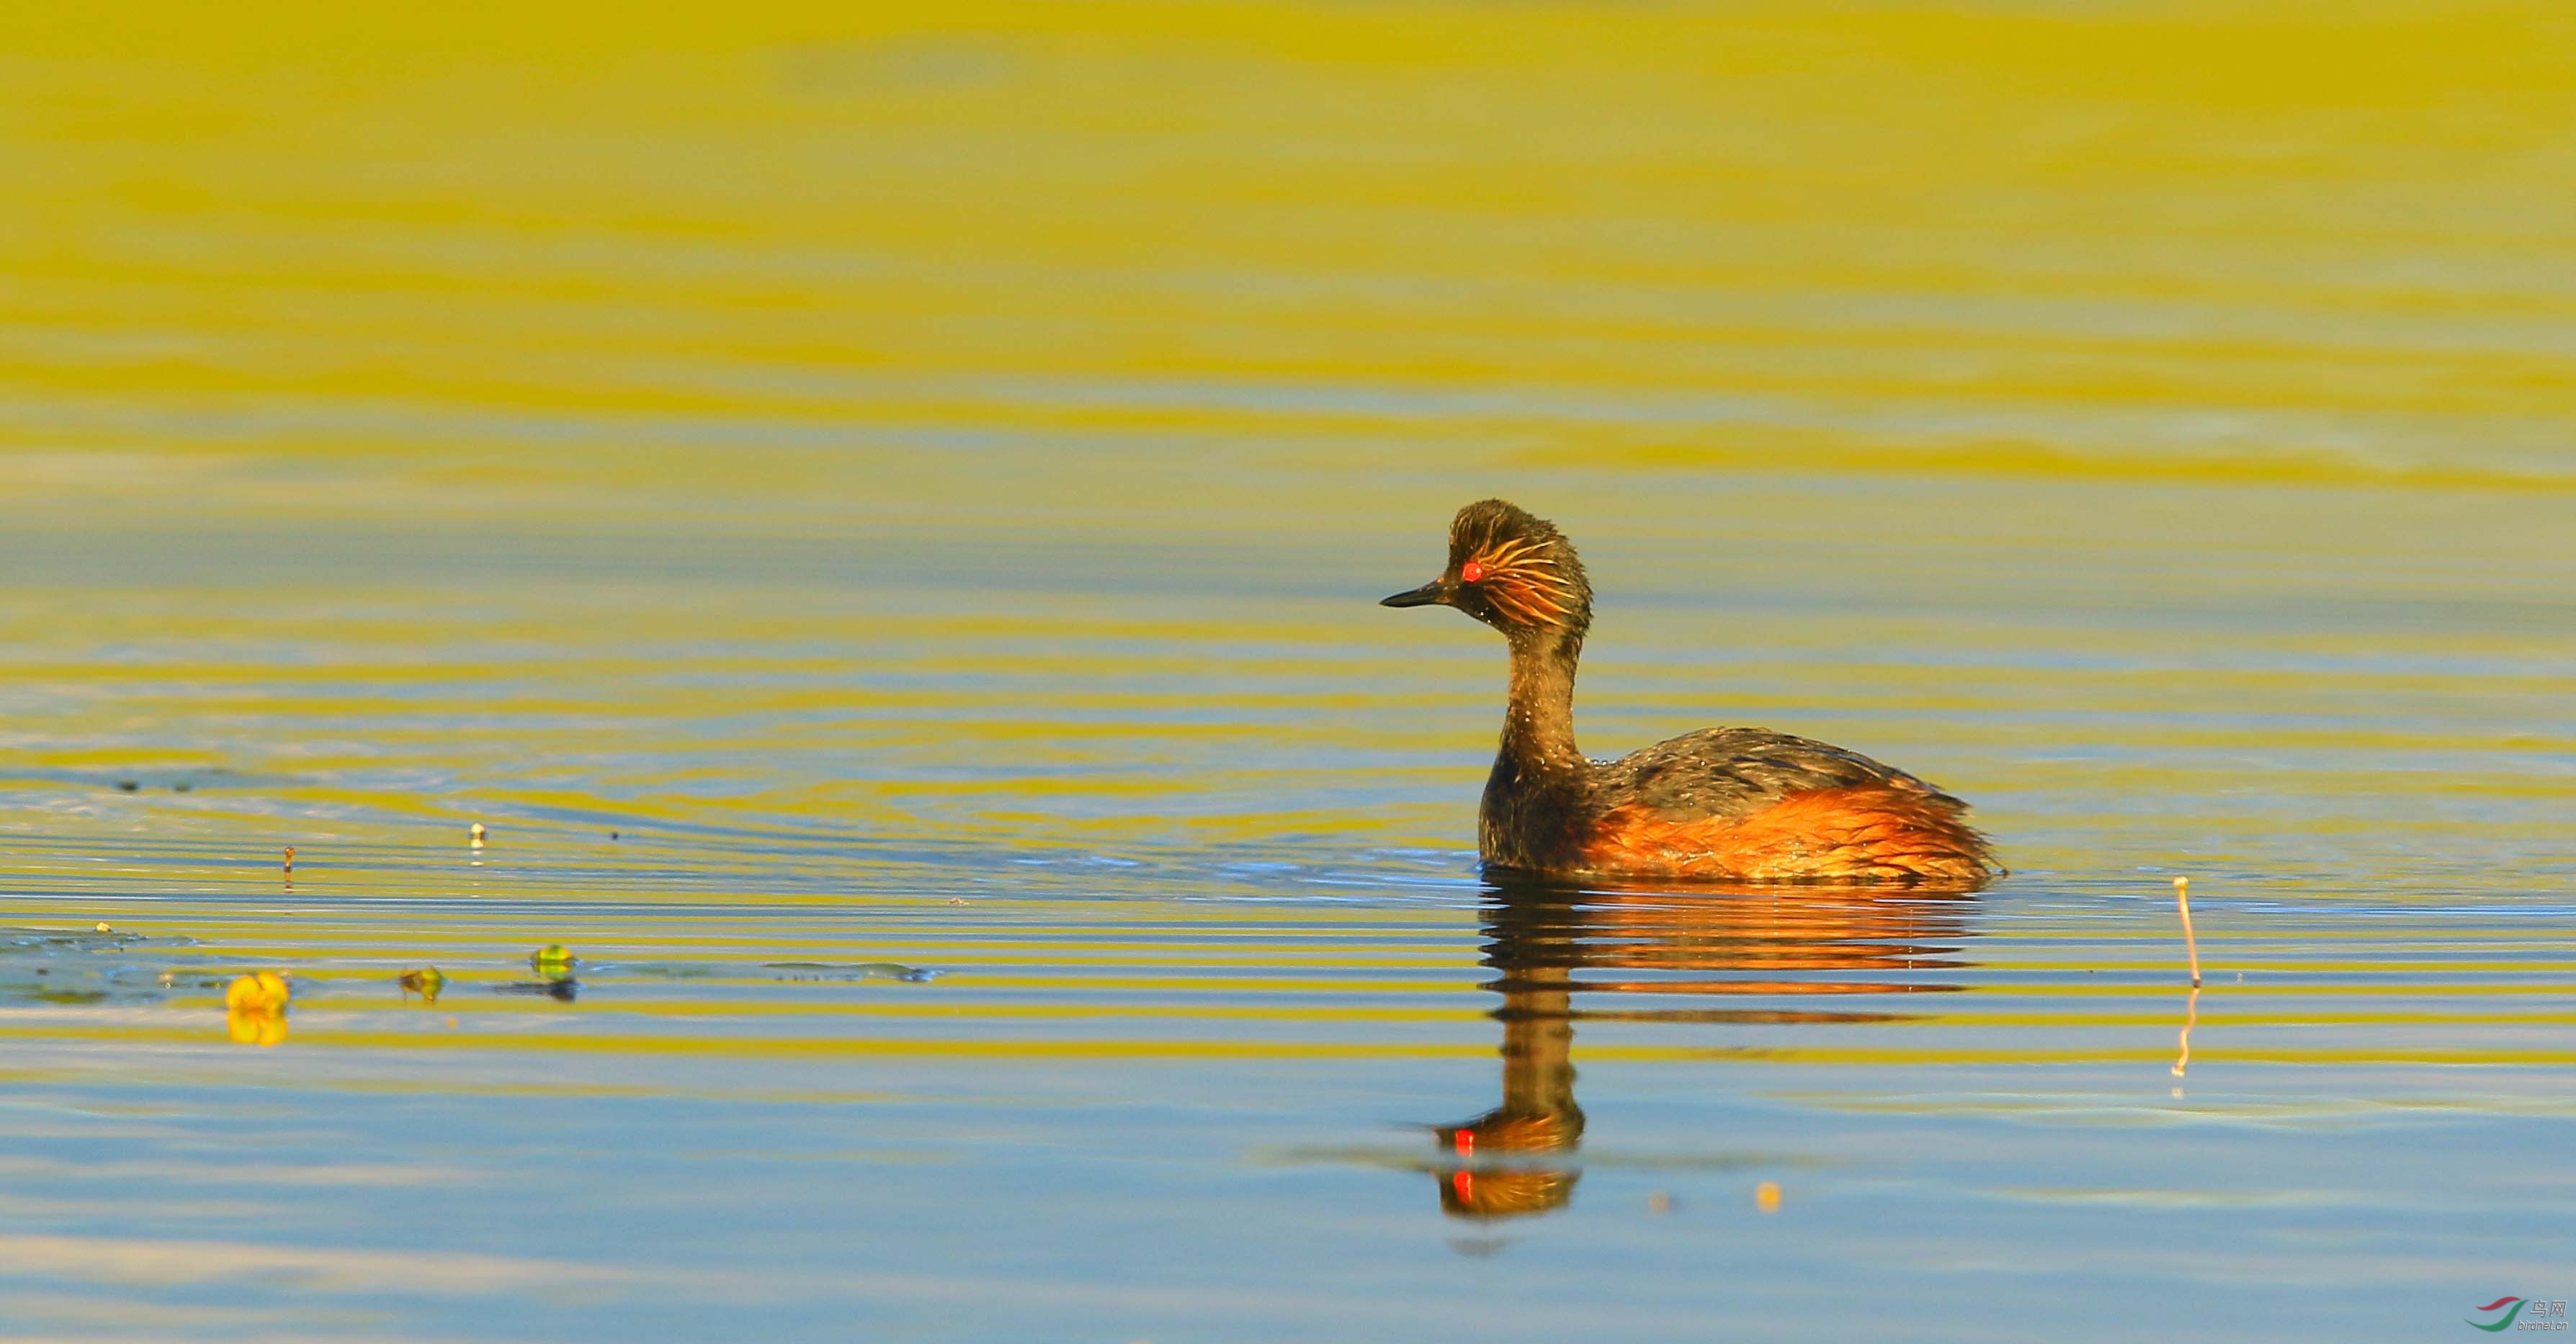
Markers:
point(1512, 571)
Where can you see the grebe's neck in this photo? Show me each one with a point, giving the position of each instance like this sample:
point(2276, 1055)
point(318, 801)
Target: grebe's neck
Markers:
point(1537, 796)
point(1538, 727)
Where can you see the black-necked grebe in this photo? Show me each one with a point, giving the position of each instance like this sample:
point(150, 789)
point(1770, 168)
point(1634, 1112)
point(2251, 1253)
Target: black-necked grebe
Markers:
point(1725, 803)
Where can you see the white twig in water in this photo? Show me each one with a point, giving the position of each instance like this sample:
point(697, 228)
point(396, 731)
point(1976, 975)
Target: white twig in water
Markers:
point(2191, 945)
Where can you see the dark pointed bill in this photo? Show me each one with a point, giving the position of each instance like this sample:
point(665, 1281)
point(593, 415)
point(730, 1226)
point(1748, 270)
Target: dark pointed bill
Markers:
point(1428, 594)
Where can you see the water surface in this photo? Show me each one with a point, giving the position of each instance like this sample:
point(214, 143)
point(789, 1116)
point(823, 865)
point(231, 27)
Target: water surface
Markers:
point(881, 517)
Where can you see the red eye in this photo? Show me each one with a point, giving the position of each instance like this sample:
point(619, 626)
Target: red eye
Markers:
point(1470, 572)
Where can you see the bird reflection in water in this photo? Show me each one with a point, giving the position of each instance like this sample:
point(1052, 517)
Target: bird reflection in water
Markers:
point(1741, 955)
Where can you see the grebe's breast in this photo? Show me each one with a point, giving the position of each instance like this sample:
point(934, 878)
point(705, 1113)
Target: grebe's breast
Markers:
point(1751, 803)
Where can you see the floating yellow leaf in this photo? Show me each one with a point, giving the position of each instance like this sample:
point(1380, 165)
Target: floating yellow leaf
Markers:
point(260, 991)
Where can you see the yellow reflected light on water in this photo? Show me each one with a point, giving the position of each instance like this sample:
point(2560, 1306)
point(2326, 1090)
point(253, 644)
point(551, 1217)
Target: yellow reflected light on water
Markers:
point(536, 259)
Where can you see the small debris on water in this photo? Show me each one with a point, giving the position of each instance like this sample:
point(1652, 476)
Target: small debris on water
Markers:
point(1659, 1203)
point(129, 785)
point(612, 835)
point(181, 787)
point(426, 982)
point(1766, 1197)
point(104, 927)
point(555, 964)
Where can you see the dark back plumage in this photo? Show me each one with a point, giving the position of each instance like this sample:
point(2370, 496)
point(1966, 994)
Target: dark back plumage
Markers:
point(1733, 772)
